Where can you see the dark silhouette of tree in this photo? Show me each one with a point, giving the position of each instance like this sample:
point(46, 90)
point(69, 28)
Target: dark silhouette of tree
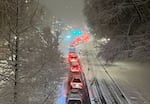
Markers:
point(125, 22)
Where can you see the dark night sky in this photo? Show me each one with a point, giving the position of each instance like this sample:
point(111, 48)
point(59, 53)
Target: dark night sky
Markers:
point(68, 10)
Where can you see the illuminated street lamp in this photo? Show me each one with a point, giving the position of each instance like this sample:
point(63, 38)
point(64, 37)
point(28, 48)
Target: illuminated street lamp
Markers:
point(26, 1)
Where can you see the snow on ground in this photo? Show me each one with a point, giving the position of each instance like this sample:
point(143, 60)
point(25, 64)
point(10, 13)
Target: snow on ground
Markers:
point(131, 77)
point(4, 68)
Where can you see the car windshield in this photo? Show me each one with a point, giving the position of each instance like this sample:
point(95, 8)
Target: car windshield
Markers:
point(74, 102)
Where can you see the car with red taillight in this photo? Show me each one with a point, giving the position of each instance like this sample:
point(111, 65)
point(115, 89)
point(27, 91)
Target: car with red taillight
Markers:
point(75, 68)
point(77, 83)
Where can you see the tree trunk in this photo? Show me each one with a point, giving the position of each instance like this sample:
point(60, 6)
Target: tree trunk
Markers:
point(16, 56)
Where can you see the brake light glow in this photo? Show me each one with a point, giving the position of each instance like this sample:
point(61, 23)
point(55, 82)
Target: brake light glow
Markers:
point(81, 84)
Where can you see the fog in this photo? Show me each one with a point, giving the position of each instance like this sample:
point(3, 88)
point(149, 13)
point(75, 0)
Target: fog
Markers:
point(70, 11)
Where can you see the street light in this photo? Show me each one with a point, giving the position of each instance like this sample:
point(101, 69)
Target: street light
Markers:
point(26, 1)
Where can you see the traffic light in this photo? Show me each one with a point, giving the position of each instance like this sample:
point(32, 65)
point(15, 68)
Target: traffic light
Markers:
point(79, 32)
point(76, 32)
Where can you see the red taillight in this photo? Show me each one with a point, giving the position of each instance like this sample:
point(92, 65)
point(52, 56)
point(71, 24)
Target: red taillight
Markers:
point(79, 67)
point(81, 84)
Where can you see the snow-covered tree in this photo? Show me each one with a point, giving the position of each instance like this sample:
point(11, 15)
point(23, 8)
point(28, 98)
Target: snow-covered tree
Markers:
point(120, 21)
point(29, 71)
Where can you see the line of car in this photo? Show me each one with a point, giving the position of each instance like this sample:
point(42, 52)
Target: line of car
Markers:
point(76, 80)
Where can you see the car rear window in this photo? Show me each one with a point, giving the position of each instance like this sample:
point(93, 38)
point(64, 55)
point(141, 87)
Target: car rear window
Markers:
point(74, 102)
point(75, 66)
point(73, 56)
point(76, 80)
